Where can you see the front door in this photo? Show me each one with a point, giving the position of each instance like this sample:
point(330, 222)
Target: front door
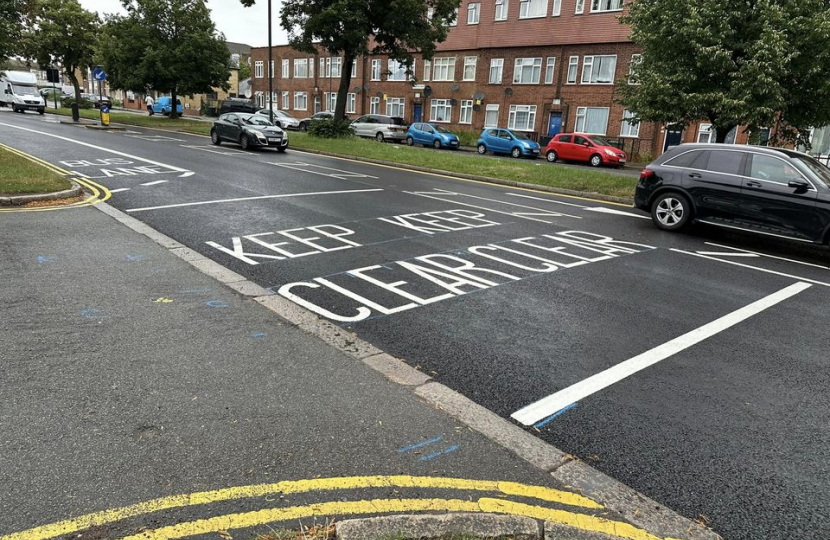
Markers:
point(554, 124)
point(674, 136)
point(417, 113)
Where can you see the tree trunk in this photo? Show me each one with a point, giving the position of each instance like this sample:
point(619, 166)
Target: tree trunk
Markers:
point(174, 109)
point(76, 85)
point(722, 132)
point(343, 89)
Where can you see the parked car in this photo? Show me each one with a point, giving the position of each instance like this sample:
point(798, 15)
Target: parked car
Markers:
point(431, 135)
point(62, 92)
point(769, 191)
point(163, 105)
point(281, 118)
point(584, 148)
point(98, 100)
point(507, 141)
point(248, 130)
point(325, 115)
point(380, 127)
point(237, 105)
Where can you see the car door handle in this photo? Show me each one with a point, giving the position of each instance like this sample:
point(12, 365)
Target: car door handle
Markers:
point(694, 175)
point(753, 184)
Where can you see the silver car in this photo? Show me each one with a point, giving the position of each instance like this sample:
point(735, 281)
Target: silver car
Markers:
point(281, 119)
point(380, 127)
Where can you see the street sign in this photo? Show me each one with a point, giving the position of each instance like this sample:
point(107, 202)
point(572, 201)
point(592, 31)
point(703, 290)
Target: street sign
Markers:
point(53, 76)
point(99, 74)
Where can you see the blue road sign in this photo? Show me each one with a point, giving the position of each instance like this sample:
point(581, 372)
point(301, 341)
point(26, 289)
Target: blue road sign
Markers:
point(99, 75)
point(105, 109)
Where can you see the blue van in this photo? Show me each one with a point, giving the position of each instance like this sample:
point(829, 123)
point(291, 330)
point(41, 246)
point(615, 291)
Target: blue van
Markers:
point(162, 106)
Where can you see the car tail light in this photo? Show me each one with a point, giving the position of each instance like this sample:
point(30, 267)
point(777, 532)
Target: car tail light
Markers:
point(647, 174)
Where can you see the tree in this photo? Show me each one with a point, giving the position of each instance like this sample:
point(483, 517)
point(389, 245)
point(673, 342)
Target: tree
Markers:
point(169, 45)
point(62, 33)
point(244, 71)
point(352, 28)
point(13, 19)
point(752, 63)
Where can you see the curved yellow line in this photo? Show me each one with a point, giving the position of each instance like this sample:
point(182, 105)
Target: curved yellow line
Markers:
point(79, 523)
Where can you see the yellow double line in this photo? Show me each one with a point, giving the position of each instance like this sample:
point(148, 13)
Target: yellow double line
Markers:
point(99, 192)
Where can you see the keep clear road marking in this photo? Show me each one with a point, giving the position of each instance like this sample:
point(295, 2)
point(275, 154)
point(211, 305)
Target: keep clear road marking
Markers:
point(599, 209)
point(260, 197)
point(552, 404)
point(116, 152)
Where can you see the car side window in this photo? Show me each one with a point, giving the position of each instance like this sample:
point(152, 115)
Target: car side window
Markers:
point(565, 139)
point(685, 159)
point(505, 135)
point(231, 118)
point(360, 120)
point(493, 132)
point(580, 140)
point(726, 162)
point(772, 169)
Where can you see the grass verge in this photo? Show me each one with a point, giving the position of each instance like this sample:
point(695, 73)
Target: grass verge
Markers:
point(537, 172)
point(20, 176)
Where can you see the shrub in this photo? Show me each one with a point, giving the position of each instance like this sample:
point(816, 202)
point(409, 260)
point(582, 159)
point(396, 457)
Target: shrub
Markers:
point(467, 138)
point(643, 157)
point(117, 103)
point(330, 129)
point(67, 102)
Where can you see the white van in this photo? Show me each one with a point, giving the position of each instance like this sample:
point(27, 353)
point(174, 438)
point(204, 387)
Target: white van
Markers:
point(18, 90)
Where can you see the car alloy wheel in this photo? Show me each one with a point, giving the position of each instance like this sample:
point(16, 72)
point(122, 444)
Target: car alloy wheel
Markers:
point(516, 152)
point(214, 137)
point(303, 126)
point(671, 211)
point(410, 141)
point(436, 144)
point(552, 157)
point(482, 149)
point(244, 142)
point(379, 137)
point(596, 161)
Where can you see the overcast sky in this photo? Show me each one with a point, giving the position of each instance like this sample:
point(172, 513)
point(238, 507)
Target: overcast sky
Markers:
point(238, 23)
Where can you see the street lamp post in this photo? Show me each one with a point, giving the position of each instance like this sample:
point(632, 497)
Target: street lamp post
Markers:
point(270, 68)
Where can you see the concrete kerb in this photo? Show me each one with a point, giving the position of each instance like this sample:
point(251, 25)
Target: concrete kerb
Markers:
point(634, 507)
point(425, 527)
point(16, 200)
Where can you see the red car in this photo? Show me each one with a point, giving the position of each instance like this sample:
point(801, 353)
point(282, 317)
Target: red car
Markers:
point(585, 148)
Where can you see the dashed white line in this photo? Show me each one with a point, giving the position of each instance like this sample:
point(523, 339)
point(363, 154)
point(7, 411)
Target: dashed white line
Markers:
point(766, 271)
point(154, 183)
point(603, 210)
point(119, 190)
point(543, 199)
point(758, 254)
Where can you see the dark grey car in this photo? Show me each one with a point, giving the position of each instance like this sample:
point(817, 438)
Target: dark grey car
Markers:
point(248, 130)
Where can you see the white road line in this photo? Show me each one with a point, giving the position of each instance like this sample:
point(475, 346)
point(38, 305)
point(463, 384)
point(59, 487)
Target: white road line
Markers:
point(154, 183)
point(799, 278)
point(116, 152)
point(542, 210)
point(546, 200)
point(213, 150)
point(119, 190)
point(768, 256)
point(579, 391)
point(603, 210)
point(479, 207)
point(261, 197)
point(339, 174)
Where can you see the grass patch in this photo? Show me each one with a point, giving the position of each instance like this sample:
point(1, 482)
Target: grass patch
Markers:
point(156, 121)
point(19, 175)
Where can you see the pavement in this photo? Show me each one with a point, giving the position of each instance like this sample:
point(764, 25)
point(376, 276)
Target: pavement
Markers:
point(729, 429)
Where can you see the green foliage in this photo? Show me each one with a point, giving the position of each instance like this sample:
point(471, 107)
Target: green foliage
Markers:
point(83, 103)
point(330, 129)
point(733, 62)
point(467, 137)
point(244, 71)
point(167, 45)
point(14, 17)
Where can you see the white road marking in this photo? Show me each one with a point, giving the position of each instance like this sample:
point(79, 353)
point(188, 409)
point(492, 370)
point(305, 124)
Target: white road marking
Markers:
point(154, 183)
point(214, 150)
point(338, 173)
point(546, 200)
point(799, 278)
point(187, 174)
point(119, 190)
point(758, 254)
point(542, 210)
point(155, 138)
point(261, 197)
point(116, 152)
point(532, 216)
point(550, 405)
point(603, 210)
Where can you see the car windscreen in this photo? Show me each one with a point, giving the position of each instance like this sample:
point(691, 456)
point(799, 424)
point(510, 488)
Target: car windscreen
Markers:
point(599, 141)
point(812, 165)
point(397, 121)
point(23, 90)
point(255, 119)
point(440, 129)
point(521, 136)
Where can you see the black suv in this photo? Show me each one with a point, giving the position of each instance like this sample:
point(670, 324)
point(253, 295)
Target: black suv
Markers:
point(237, 105)
point(769, 191)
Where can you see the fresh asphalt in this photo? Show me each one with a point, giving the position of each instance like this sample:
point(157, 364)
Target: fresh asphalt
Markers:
point(731, 430)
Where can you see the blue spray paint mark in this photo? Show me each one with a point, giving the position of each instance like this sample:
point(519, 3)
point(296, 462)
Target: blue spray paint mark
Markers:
point(133, 258)
point(449, 450)
point(217, 303)
point(159, 270)
point(94, 314)
point(257, 335)
point(550, 418)
point(420, 444)
point(195, 290)
point(44, 259)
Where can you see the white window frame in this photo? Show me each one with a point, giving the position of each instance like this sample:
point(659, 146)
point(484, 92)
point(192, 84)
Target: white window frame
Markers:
point(286, 100)
point(330, 101)
point(540, 9)
point(445, 67)
point(351, 103)
point(375, 74)
point(597, 6)
point(354, 68)
point(259, 99)
point(580, 7)
point(582, 112)
point(636, 60)
point(550, 69)
point(557, 8)
point(491, 108)
point(530, 123)
point(427, 70)
point(628, 129)
point(259, 69)
point(455, 20)
point(286, 69)
point(470, 62)
point(311, 68)
point(473, 13)
point(591, 65)
point(298, 63)
point(445, 105)
point(496, 64)
point(573, 70)
point(522, 64)
point(501, 10)
point(300, 96)
point(466, 114)
point(272, 69)
point(396, 71)
point(708, 131)
point(395, 105)
point(374, 105)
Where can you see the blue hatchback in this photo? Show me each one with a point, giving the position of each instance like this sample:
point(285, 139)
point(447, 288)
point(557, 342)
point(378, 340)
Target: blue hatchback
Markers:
point(506, 141)
point(431, 135)
point(163, 106)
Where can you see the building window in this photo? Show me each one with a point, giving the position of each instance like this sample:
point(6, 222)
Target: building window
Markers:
point(522, 117)
point(376, 69)
point(592, 120)
point(598, 69)
point(496, 67)
point(272, 69)
point(529, 9)
point(527, 71)
point(374, 105)
point(557, 8)
point(300, 101)
point(636, 60)
point(397, 71)
point(550, 68)
point(351, 103)
point(275, 98)
point(259, 97)
point(285, 70)
point(580, 7)
point(259, 67)
point(573, 68)
point(606, 5)
point(331, 67)
point(491, 116)
point(473, 12)
point(466, 116)
point(354, 68)
point(395, 106)
point(440, 110)
point(501, 10)
point(629, 127)
point(285, 100)
point(705, 134)
point(470, 68)
point(330, 101)
point(454, 21)
point(300, 68)
point(444, 69)
point(427, 69)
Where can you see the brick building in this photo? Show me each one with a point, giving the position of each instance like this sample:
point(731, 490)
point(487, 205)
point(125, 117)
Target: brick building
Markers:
point(538, 66)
